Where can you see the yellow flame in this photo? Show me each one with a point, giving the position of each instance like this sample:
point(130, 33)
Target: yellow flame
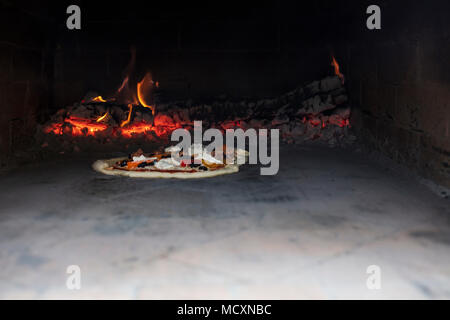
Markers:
point(102, 117)
point(141, 86)
point(125, 122)
point(337, 69)
point(99, 99)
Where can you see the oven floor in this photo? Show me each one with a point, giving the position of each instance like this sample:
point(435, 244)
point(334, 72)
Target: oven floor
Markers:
point(309, 232)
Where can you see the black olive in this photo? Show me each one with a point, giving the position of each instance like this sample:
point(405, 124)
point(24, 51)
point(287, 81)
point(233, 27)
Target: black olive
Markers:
point(145, 164)
point(142, 165)
point(203, 168)
point(123, 163)
point(195, 165)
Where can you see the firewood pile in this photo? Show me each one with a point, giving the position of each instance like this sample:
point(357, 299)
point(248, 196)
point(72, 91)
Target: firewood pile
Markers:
point(316, 113)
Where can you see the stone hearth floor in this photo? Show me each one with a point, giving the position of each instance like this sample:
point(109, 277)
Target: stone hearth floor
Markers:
point(309, 232)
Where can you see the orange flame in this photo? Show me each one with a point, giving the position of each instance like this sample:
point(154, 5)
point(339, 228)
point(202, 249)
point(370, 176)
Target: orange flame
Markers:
point(124, 83)
point(336, 69)
point(125, 122)
point(99, 99)
point(143, 86)
point(102, 117)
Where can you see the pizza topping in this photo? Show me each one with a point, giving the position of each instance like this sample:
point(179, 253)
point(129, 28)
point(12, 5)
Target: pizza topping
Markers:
point(210, 165)
point(132, 165)
point(197, 152)
point(146, 164)
point(172, 149)
point(165, 164)
point(196, 158)
point(138, 153)
point(209, 158)
point(195, 149)
point(143, 158)
point(164, 155)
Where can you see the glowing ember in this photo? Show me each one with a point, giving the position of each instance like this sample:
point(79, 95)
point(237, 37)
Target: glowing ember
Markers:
point(102, 117)
point(84, 127)
point(87, 121)
point(146, 128)
point(54, 128)
point(136, 128)
point(315, 122)
point(125, 122)
point(336, 69)
point(145, 85)
point(78, 127)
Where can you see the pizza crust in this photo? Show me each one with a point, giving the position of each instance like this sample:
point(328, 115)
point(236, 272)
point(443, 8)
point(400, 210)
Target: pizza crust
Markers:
point(103, 165)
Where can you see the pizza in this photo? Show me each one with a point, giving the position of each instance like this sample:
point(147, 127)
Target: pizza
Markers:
point(197, 163)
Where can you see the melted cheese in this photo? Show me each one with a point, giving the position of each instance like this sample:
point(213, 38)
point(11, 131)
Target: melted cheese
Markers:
point(165, 164)
point(143, 158)
point(209, 158)
point(195, 150)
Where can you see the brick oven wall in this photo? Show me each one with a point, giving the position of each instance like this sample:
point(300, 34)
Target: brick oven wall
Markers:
point(23, 80)
point(400, 88)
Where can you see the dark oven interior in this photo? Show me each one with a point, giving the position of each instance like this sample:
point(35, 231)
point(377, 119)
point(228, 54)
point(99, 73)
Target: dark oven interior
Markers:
point(228, 64)
point(347, 100)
